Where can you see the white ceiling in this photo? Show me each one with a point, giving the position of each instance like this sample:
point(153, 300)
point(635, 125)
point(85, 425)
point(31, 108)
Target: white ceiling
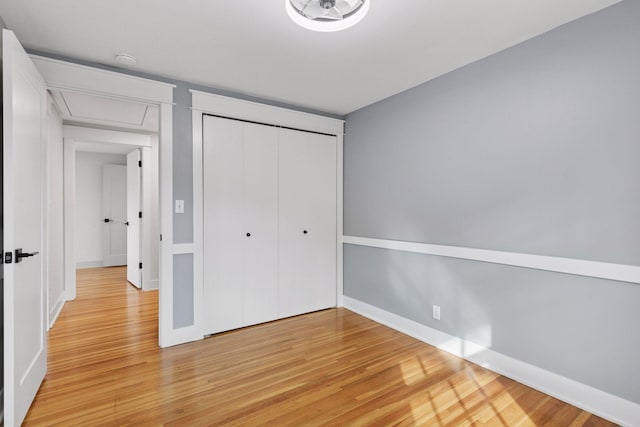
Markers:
point(96, 147)
point(252, 47)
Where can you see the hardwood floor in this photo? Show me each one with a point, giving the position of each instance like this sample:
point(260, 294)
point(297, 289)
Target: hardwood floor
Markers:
point(326, 368)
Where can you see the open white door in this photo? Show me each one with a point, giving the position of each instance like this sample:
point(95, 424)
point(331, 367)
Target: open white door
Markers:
point(134, 272)
point(114, 207)
point(24, 135)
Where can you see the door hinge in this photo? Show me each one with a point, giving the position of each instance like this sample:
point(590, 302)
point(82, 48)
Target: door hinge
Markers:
point(139, 214)
point(161, 237)
point(140, 266)
point(8, 257)
point(139, 163)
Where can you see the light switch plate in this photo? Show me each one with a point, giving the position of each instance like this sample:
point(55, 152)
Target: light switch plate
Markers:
point(436, 312)
point(179, 206)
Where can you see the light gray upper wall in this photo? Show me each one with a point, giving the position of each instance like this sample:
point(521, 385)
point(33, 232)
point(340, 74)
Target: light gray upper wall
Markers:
point(183, 163)
point(534, 149)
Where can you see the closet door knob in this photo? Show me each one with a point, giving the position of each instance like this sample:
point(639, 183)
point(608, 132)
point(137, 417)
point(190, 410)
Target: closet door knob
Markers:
point(248, 234)
point(305, 232)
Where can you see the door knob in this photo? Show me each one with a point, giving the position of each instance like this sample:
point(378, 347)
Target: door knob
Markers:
point(107, 220)
point(20, 255)
point(248, 234)
point(305, 232)
point(126, 223)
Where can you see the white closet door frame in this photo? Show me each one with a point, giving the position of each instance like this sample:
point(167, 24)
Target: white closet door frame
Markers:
point(206, 103)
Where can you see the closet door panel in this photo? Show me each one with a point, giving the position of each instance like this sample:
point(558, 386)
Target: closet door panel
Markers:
point(293, 289)
point(223, 228)
point(307, 182)
point(320, 210)
point(260, 207)
point(322, 213)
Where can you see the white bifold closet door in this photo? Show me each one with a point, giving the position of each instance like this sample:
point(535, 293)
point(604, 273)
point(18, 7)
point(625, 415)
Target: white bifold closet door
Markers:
point(269, 223)
point(307, 222)
point(240, 223)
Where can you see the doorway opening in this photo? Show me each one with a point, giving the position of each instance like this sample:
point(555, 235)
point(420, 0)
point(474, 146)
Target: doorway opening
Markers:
point(111, 189)
point(35, 220)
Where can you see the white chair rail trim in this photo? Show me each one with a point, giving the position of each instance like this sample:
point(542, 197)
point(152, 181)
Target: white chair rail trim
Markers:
point(601, 270)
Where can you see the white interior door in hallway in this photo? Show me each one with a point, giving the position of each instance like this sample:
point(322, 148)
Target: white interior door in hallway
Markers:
point(114, 208)
point(134, 210)
point(24, 166)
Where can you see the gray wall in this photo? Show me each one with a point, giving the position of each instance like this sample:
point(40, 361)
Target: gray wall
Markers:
point(533, 150)
point(182, 290)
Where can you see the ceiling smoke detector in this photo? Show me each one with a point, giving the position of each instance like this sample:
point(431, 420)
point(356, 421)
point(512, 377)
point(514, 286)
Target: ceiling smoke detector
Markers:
point(327, 15)
point(126, 59)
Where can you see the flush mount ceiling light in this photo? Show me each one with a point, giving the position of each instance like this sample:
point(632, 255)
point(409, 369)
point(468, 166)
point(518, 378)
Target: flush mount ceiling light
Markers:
point(327, 15)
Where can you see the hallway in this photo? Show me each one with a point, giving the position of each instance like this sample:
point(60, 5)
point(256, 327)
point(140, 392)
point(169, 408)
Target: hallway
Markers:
point(96, 349)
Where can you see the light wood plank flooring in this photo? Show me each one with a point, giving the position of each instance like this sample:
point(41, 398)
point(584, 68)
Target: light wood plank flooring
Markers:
point(327, 368)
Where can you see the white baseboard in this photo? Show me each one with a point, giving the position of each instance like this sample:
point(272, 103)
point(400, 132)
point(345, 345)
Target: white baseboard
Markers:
point(153, 285)
point(585, 397)
point(57, 308)
point(88, 264)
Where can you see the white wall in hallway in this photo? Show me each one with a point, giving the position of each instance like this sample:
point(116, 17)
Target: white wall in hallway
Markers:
point(55, 214)
point(89, 220)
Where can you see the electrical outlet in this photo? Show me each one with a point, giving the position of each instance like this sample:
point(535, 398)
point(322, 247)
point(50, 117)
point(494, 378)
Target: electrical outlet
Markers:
point(436, 312)
point(179, 206)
